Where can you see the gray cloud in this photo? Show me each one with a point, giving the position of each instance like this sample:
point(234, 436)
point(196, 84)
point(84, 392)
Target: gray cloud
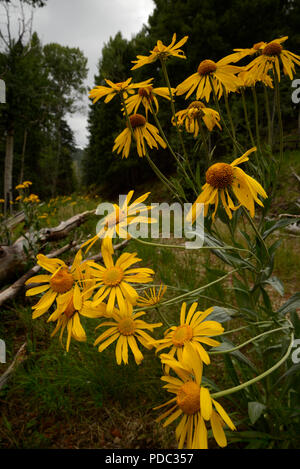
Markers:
point(88, 24)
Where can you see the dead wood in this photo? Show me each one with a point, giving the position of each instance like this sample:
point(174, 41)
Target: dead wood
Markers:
point(17, 359)
point(13, 258)
point(12, 291)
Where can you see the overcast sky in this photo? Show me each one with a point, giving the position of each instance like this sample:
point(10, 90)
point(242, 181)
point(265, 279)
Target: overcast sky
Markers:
point(88, 24)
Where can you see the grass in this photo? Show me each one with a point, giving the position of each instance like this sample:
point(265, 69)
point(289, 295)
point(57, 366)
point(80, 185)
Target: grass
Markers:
point(83, 399)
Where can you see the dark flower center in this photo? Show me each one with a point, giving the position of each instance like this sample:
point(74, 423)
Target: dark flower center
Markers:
point(272, 49)
point(206, 67)
point(137, 120)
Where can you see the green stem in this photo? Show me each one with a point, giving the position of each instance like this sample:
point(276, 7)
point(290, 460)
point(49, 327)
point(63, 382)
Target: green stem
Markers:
point(166, 77)
point(258, 324)
point(182, 246)
point(203, 137)
point(269, 120)
point(127, 116)
point(190, 293)
point(171, 149)
point(256, 118)
point(247, 118)
point(226, 392)
point(162, 317)
point(256, 232)
point(249, 341)
point(230, 120)
point(197, 290)
point(235, 143)
point(162, 177)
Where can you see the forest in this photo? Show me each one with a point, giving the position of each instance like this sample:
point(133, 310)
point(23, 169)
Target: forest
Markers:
point(203, 88)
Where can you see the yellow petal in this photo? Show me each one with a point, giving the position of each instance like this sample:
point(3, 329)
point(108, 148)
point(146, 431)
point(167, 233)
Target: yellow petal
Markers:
point(205, 403)
point(217, 429)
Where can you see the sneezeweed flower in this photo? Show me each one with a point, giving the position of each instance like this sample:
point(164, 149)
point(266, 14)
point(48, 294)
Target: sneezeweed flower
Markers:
point(147, 96)
point(127, 329)
point(61, 280)
point(70, 306)
point(192, 332)
point(191, 116)
point(144, 133)
point(23, 185)
point(221, 75)
point(152, 297)
point(272, 55)
point(222, 178)
point(32, 198)
point(114, 279)
point(123, 89)
point(239, 54)
point(194, 406)
point(161, 52)
point(248, 79)
point(120, 219)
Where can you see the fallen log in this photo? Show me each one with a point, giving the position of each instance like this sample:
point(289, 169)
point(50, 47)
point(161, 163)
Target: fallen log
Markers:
point(12, 291)
point(19, 357)
point(13, 221)
point(14, 257)
point(64, 228)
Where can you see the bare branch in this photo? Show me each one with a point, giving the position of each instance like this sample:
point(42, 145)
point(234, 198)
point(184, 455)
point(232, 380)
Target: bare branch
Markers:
point(18, 357)
point(12, 291)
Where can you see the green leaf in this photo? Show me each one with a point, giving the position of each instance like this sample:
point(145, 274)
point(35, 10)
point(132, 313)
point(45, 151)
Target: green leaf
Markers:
point(293, 369)
point(232, 259)
point(276, 284)
point(230, 370)
point(198, 176)
point(255, 409)
point(291, 304)
point(295, 319)
point(247, 238)
point(275, 246)
point(242, 295)
point(227, 345)
point(221, 314)
point(267, 301)
point(273, 226)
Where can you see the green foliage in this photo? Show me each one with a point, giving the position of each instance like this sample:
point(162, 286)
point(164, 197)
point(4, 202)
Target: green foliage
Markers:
point(43, 85)
point(34, 3)
point(236, 271)
point(101, 167)
point(214, 29)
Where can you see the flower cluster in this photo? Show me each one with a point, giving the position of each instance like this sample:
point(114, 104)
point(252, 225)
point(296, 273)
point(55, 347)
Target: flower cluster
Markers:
point(110, 290)
point(211, 80)
point(94, 290)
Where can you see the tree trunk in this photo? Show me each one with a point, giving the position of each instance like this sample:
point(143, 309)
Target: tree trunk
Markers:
point(23, 156)
point(57, 161)
point(8, 170)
